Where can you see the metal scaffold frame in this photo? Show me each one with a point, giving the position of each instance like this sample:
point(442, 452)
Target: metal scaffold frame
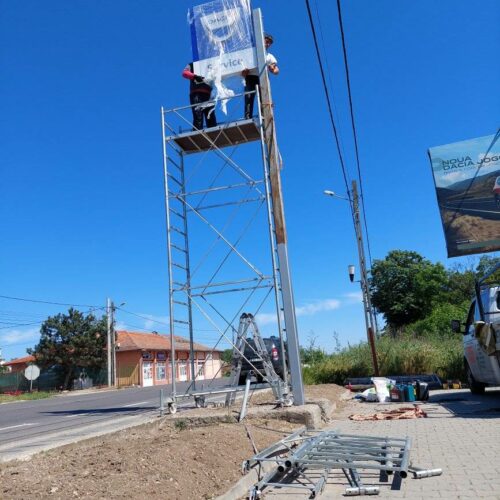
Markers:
point(185, 297)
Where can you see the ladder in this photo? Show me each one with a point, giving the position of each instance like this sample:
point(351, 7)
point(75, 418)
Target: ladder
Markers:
point(248, 325)
point(180, 303)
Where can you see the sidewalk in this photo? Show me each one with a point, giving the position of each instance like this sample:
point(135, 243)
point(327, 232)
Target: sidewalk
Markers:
point(461, 435)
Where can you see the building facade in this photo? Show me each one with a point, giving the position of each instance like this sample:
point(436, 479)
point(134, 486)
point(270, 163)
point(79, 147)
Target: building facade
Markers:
point(143, 359)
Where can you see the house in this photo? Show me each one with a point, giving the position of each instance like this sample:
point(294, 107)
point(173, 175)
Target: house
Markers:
point(19, 364)
point(144, 359)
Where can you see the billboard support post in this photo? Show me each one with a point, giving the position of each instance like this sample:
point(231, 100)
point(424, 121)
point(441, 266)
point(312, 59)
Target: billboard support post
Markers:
point(278, 214)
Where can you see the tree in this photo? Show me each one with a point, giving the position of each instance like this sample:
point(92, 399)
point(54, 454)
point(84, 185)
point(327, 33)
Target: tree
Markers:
point(486, 264)
point(71, 340)
point(405, 287)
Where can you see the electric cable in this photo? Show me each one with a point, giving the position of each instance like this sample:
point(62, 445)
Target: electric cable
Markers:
point(328, 100)
point(46, 302)
point(353, 123)
point(146, 318)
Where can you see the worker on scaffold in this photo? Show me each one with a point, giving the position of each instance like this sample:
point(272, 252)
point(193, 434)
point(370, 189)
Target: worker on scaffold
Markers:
point(199, 93)
point(252, 77)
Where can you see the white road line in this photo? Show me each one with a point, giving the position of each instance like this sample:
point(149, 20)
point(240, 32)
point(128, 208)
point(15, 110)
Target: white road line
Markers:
point(135, 404)
point(15, 426)
point(74, 415)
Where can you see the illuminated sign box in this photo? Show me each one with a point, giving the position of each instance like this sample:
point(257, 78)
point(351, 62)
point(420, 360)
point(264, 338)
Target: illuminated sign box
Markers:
point(222, 38)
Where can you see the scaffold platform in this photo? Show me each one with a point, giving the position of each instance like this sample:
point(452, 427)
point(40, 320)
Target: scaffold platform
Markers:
point(224, 135)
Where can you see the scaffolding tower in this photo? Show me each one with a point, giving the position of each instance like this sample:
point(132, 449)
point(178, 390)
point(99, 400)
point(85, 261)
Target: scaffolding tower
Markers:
point(226, 236)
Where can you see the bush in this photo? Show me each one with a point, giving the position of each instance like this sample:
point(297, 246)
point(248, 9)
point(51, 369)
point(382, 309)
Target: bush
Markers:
point(402, 356)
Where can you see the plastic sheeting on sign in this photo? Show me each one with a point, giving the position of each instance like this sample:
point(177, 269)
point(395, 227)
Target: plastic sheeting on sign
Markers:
point(223, 42)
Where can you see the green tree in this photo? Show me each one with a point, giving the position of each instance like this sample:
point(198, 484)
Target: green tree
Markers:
point(460, 287)
point(437, 323)
point(405, 287)
point(71, 340)
point(486, 264)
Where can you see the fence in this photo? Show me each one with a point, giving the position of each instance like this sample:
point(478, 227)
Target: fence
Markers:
point(52, 379)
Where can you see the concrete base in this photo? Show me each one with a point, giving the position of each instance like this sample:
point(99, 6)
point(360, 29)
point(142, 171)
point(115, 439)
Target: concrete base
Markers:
point(313, 414)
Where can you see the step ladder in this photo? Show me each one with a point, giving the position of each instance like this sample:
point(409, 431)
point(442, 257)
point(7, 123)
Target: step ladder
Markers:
point(248, 329)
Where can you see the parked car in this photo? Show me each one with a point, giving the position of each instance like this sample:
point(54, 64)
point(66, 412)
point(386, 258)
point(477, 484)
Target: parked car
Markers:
point(481, 336)
point(273, 346)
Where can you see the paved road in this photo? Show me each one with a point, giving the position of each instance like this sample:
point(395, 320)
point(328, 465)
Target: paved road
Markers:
point(461, 435)
point(485, 207)
point(29, 426)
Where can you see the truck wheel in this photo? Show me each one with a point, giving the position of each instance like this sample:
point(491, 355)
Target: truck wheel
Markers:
point(474, 386)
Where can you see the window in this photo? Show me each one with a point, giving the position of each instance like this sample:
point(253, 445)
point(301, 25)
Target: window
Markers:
point(200, 370)
point(161, 371)
point(182, 370)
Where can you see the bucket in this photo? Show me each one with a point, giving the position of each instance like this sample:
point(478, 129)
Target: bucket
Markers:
point(397, 396)
point(409, 392)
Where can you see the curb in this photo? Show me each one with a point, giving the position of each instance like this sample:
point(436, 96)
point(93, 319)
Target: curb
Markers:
point(241, 488)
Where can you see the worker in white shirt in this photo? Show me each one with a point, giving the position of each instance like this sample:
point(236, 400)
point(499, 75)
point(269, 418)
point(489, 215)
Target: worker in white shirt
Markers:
point(252, 77)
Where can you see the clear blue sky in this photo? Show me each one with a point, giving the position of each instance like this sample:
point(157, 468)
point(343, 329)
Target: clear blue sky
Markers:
point(81, 196)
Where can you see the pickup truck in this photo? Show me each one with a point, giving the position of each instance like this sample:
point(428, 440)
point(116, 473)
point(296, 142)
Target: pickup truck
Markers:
point(481, 336)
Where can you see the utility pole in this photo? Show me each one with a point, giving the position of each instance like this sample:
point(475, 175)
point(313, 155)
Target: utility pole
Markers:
point(367, 305)
point(278, 213)
point(111, 342)
point(108, 343)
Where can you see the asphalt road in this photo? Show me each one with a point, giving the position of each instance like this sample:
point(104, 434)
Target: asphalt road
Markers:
point(485, 207)
point(28, 426)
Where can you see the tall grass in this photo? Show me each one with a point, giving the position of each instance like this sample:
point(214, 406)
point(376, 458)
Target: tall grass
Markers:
point(402, 356)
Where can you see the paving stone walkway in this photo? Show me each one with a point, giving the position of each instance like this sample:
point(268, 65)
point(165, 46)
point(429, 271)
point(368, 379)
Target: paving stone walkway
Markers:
point(461, 435)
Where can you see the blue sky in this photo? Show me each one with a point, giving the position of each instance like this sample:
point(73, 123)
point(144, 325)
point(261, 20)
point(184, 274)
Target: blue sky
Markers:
point(82, 209)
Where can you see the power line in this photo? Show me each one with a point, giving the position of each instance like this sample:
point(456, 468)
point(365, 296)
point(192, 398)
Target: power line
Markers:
point(47, 302)
point(146, 318)
point(327, 94)
point(348, 81)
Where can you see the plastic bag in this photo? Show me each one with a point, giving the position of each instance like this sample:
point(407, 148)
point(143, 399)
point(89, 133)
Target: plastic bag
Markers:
point(223, 43)
point(382, 389)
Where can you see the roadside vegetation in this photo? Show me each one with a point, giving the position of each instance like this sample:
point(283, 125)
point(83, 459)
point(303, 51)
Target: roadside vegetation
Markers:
point(418, 300)
point(25, 396)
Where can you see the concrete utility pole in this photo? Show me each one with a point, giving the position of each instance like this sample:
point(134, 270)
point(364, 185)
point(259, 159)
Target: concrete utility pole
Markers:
point(111, 342)
point(278, 213)
point(367, 305)
point(108, 343)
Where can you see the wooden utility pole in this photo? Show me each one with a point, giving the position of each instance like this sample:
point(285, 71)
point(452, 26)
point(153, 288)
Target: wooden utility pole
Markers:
point(368, 310)
point(278, 213)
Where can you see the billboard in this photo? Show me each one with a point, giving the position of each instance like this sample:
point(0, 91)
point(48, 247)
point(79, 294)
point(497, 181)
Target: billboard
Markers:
point(467, 179)
point(222, 38)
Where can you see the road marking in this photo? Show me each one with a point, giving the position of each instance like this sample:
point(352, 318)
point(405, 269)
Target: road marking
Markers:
point(15, 426)
point(135, 404)
point(75, 415)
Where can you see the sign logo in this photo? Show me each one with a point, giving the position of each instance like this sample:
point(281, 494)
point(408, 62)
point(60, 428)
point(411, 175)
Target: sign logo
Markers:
point(220, 26)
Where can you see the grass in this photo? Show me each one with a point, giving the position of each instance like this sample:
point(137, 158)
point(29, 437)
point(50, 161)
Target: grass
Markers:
point(404, 356)
point(7, 398)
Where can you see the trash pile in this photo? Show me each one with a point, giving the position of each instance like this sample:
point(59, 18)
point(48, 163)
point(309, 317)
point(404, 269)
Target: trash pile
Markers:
point(386, 390)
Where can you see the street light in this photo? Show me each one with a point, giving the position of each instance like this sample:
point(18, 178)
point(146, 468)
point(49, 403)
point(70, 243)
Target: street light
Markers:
point(369, 317)
point(350, 268)
point(335, 195)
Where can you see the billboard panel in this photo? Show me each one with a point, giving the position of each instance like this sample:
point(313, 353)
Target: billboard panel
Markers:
point(222, 38)
point(467, 179)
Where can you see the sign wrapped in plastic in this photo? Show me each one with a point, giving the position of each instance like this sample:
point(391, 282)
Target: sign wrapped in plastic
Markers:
point(467, 179)
point(222, 38)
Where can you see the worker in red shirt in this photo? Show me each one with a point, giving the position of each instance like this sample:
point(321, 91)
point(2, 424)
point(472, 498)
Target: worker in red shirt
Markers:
point(199, 92)
point(252, 76)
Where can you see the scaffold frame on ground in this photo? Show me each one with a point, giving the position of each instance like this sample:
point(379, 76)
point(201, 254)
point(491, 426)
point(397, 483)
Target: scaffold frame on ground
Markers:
point(306, 458)
point(186, 297)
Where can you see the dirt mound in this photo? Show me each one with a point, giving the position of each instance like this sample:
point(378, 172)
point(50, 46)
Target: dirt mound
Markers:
point(165, 459)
